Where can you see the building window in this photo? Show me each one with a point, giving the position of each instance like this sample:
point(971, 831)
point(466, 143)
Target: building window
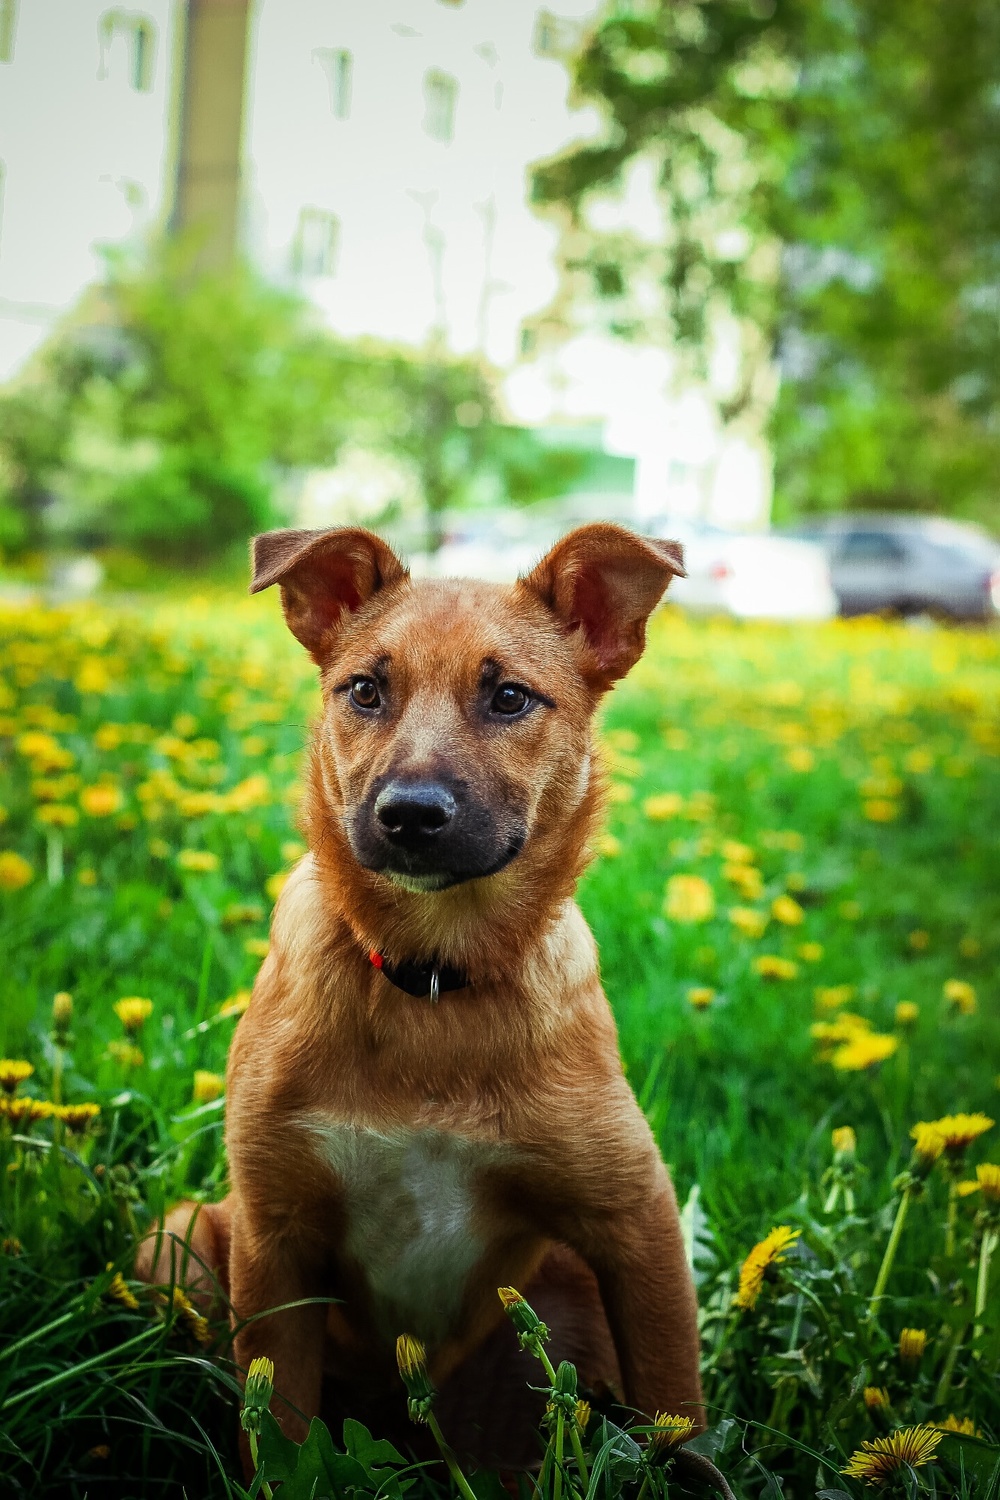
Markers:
point(339, 69)
point(317, 240)
point(139, 37)
point(556, 36)
point(8, 25)
point(440, 98)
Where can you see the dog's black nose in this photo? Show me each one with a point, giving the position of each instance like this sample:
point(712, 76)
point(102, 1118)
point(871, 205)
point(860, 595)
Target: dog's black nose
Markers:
point(414, 809)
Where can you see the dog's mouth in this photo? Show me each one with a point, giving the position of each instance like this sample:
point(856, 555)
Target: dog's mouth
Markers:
point(424, 838)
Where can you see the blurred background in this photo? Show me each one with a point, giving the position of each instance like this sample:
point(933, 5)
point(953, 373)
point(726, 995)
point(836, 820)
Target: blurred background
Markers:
point(473, 272)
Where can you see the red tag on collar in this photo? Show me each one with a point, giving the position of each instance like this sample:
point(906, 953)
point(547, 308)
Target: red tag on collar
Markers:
point(375, 959)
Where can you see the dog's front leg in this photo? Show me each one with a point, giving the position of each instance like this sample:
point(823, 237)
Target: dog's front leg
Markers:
point(269, 1272)
point(648, 1295)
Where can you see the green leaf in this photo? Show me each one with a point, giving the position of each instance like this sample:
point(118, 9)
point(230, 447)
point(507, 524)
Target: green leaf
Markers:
point(368, 1450)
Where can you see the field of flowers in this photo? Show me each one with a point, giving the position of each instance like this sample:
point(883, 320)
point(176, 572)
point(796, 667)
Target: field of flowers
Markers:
point(798, 910)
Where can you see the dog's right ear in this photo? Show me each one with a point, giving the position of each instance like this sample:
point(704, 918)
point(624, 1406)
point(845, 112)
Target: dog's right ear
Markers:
point(324, 575)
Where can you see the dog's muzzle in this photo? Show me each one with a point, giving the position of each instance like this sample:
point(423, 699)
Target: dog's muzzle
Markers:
point(429, 834)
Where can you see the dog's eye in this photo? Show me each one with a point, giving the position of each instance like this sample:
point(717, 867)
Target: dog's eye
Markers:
point(510, 699)
point(364, 693)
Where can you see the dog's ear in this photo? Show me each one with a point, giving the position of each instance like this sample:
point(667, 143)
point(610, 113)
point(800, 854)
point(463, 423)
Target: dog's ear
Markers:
point(323, 576)
point(605, 582)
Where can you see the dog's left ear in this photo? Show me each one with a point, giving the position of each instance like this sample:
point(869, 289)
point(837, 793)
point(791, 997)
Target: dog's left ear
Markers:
point(605, 582)
point(324, 576)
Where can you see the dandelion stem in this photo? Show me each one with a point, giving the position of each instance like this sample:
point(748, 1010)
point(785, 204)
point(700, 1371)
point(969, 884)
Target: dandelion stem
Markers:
point(579, 1455)
point(461, 1483)
point(986, 1250)
point(560, 1435)
point(800, 1303)
point(265, 1488)
point(952, 1219)
point(890, 1250)
point(948, 1369)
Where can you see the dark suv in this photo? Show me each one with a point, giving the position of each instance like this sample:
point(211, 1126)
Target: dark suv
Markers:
point(909, 565)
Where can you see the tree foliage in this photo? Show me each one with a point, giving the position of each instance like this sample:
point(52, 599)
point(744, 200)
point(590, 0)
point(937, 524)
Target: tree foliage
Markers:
point(163, 417)
point(828, 174)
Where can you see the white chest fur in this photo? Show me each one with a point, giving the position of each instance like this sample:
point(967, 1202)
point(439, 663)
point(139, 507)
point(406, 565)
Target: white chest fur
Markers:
point(411, 1201)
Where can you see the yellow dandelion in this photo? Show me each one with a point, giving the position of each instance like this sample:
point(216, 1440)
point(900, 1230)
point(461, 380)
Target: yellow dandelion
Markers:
point(912, 1343)
point(864, 1051)
point(76, 1117)
point(811, 953)
point(748, 920)
point(907, 1013)
point(768, 1252)
point(736, 853)
point(581, 1414)
point(62, 1010)
point(928, 1142)
point(15, 871)
point(800, 759)
point(275, 884)
point(207, 1086)
point(958, 1131)
point(200, 861)
point(118, 1289)
point(236, 1004)
point(189, 1317)
point(844, 1141)
point(879, 1461)
point(133, 1012)
point(880, 809)
point(844, 1028)
point(964, 1425)
point(988, 1181)
point(961, 996)
point(747, 877)
point(663, 806)
point(668, 1433)
point(786, 910)
point(771, 966)
point(605, 844)
point(257, 947)
point(126, 1054)
point(688, 898)
point(58, 815)
point(700, 996)
point(13, 1070)
point(101, 801)
point(876, 1398)
point(23, 1112)
point(833, 996)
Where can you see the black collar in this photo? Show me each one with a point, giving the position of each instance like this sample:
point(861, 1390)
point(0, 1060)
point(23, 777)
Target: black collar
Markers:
point(422, 980)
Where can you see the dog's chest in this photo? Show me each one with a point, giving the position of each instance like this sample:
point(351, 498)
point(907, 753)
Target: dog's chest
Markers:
point(414, 1221)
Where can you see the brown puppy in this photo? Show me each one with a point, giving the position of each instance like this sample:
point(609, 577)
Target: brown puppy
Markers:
point(425, 1098)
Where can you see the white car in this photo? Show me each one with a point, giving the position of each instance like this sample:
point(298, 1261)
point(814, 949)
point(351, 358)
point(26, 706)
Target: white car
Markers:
point(750, 576)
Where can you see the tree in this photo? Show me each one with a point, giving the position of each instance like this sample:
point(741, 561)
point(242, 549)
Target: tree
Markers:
point(828, 175)
point(164, 414)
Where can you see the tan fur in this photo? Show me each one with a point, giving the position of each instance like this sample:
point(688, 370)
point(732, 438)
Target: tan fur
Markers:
point(519, 1073)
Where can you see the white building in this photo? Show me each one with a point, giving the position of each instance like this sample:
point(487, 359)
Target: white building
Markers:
point(386, 153)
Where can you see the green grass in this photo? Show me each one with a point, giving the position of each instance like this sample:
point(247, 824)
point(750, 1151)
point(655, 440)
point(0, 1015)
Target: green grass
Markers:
point(858, 764)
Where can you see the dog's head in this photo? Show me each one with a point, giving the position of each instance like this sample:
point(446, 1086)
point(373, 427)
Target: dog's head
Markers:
point(457, 714)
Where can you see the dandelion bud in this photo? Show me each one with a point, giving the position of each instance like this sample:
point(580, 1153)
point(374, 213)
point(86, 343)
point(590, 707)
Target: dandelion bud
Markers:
point(878, 1405)
point(62, 1012)
point(529, 1326)
point(912, 1343)
point(258, 1393)
point(845, 1143)
point(566, 1380)
point(411, 1360)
